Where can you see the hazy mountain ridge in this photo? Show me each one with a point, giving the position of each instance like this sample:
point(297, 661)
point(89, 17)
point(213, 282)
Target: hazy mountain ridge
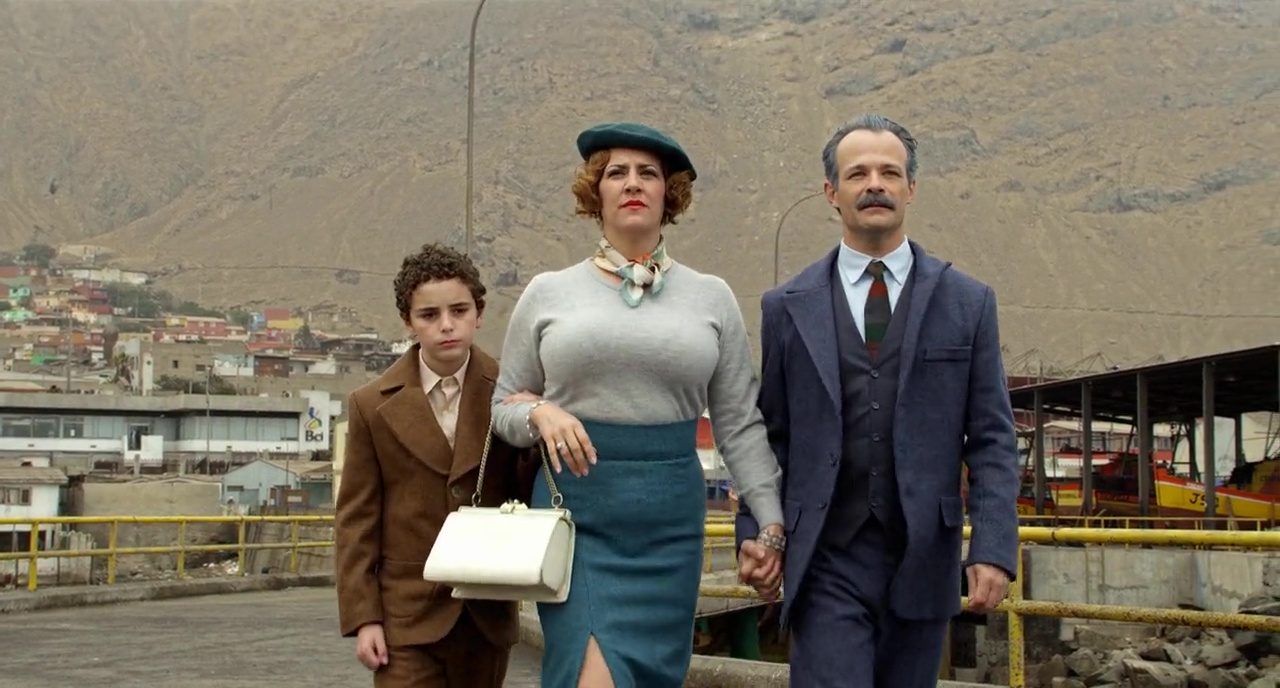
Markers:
point(1093, 163)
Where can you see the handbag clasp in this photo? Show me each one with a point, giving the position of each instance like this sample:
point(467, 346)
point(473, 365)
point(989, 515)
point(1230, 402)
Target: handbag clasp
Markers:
point(512, 506)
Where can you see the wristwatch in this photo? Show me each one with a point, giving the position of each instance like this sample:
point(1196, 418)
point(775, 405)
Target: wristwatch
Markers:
point(774, 542)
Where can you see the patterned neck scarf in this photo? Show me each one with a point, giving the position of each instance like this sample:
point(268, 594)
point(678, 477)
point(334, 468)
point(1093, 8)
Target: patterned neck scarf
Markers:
point(637, 275)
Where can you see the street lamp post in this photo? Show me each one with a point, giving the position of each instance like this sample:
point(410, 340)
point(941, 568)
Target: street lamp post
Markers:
point(777, 235)
point(471, 114)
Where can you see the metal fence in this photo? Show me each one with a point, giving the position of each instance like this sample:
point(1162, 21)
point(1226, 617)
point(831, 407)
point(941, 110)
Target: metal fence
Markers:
point(182, 548)
point(1015, 607)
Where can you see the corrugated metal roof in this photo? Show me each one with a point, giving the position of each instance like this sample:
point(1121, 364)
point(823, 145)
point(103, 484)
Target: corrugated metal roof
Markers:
point(32, 475)
point(300, 467)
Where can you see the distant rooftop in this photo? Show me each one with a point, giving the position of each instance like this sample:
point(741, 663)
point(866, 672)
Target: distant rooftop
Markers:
point(176, 404)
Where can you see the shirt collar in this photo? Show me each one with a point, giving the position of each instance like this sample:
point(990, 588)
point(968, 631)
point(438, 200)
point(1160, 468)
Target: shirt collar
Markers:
point(853, 264)
point(430, 378)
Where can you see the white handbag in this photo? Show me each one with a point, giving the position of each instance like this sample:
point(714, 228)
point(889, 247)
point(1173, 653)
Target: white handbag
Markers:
point(508, 552)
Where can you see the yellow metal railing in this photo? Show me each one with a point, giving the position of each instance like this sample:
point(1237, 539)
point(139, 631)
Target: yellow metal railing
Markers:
point(711, 546)
point(113, 551)
point(1130, 522)
point(1015, 607)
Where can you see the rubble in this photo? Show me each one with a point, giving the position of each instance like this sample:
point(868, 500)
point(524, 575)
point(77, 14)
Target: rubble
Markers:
point(1177, 657)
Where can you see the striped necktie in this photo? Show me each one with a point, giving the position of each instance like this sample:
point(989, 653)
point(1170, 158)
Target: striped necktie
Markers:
point(877, 312)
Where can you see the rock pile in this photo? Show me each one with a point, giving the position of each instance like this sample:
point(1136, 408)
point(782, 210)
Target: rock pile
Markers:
point(1179, 657)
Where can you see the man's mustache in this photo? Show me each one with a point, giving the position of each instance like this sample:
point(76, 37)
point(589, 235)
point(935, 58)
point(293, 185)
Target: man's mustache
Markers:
point(875, 200)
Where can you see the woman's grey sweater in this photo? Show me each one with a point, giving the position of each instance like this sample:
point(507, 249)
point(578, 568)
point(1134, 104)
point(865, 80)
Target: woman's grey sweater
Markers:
point(572, 340)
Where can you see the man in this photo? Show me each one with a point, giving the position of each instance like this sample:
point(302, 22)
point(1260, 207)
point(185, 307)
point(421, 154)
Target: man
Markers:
point(414, 447)
point(881, 377)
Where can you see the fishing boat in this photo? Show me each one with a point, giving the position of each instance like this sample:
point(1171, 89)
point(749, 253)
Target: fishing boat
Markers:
point(1251, 492)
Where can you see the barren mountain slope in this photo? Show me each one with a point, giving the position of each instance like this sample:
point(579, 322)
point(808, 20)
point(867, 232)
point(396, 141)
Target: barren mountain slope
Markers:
point(1110, 169)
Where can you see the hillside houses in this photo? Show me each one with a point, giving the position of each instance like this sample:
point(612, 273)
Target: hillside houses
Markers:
point(92, 317)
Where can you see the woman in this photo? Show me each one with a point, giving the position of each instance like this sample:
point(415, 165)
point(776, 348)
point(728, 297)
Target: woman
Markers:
point(624, 351)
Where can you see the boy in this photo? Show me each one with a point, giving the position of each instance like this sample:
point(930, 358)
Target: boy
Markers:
point(415, 436)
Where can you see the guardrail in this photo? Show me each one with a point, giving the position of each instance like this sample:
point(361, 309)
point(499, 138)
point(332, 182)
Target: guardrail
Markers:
point(1162, 522)
point(113, 551)
point(1015, 607)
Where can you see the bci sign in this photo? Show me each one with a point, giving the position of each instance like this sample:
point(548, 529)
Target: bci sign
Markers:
point(313, 428)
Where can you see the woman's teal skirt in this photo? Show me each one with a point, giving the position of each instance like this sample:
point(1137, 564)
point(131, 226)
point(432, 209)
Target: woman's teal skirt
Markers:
point(640, 517)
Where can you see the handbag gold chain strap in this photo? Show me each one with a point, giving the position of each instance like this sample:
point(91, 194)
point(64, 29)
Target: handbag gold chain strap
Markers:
point(556, 498)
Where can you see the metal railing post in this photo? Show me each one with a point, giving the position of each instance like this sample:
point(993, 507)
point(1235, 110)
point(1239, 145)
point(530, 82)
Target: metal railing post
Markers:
point(1017, 641)
point(293, 550)
point(182, 549)
point(113, 543)
point(241, 554)
point(33, 563)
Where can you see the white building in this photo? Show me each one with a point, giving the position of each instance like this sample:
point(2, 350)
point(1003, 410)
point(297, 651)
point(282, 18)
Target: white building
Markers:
point(28, 492)
point(152, 428)
point(277, 483)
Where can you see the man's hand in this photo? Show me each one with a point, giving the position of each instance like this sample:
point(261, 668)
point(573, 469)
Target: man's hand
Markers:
point(761, 567)
point(987, 587)
point(371, 646)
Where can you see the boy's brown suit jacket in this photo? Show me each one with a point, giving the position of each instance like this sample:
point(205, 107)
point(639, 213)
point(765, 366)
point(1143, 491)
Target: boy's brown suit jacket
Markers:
point(400, 480)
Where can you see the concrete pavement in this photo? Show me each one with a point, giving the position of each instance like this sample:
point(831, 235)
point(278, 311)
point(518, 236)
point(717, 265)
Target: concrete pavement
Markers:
point(283, 639)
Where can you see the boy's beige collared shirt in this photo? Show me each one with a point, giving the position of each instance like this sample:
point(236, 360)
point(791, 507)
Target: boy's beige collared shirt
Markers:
point(444, 394)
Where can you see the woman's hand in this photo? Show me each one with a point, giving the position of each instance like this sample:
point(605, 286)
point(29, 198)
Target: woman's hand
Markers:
point(565, 438)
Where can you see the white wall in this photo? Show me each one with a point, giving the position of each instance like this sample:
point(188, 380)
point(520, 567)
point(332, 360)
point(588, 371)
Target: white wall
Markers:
point(53, 570)
point(44, 502)
point(63, 445)
point(114, 445)
point(225, 369)
point(238, 446)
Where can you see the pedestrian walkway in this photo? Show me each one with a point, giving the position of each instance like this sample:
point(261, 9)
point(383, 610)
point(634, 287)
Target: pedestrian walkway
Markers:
point(286, 639)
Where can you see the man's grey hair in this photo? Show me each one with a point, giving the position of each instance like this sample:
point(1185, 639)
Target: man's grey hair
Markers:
point(870, 122)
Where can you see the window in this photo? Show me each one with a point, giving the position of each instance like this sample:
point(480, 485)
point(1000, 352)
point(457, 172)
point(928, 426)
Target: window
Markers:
point(15, 496)
point(73, 427)
point(44, 426)
point(136, 431)
point(15, 426)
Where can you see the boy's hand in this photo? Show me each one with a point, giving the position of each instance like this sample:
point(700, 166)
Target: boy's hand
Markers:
point(371, 646)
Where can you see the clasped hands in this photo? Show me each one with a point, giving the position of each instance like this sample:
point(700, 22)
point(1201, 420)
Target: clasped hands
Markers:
point(760, 566)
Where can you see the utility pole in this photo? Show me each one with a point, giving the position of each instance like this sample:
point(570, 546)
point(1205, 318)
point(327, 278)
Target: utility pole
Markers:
point(70, 351)
point(208, 428)
point(471, 115)
point(288, 482)
point(777, 235)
